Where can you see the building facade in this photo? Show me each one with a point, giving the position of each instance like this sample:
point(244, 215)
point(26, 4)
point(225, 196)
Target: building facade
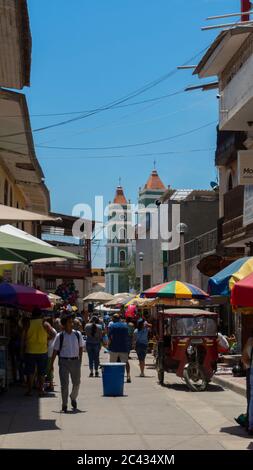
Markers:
point(120, 244)
point(230, 59)
point(48, 276)
point(21, 177)
point(199, 211)
point(146, 243)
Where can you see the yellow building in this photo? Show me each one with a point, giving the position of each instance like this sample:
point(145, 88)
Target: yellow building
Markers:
point(21, 177)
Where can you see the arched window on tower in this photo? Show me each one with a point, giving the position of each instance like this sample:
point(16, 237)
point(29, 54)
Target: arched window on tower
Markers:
point(122, 257)
point(122, 234)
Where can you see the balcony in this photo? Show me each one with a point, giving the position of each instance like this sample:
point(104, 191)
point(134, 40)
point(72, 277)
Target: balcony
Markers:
point(66, 270)
point(228, 144)
point(233, 203)
point(236, 100)
point(230, 226)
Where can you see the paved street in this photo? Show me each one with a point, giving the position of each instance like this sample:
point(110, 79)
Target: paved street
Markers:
point(148, 417)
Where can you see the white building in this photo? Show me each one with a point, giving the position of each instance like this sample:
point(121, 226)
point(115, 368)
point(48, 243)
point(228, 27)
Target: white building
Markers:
point(120, 244)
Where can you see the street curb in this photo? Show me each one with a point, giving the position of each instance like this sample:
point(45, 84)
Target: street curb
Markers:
point(226, 384)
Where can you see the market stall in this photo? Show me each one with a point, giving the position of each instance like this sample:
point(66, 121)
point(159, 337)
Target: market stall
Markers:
point(224, 283)
point(242, 303)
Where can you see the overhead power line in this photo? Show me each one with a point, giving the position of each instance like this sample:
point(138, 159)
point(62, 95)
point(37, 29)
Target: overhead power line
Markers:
point(137, 144)
point(112, 104)
point(138, 155)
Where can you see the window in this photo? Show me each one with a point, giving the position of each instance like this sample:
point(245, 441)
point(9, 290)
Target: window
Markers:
point(122, 234)
point(6, 192)
point(122, 258)
point(50, 284)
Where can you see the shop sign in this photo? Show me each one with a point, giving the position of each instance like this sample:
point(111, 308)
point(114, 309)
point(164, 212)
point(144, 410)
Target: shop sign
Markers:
point(248, 205)
point(245, 167)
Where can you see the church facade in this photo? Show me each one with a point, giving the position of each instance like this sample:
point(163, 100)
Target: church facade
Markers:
point(120, 244)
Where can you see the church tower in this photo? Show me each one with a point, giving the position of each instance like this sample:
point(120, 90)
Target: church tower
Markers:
point(152, 190)
point(119, 244)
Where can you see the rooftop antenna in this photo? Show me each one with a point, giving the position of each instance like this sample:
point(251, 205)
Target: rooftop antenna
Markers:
point(154, 164)
point(186, 67)
point(246, 10)
point(120, 181)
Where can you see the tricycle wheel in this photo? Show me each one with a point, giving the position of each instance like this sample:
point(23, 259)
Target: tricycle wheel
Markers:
point(160, 374)
point(195, 378)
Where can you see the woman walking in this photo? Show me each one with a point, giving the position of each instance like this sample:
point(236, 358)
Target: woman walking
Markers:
point(94, 333)
point(141, 343)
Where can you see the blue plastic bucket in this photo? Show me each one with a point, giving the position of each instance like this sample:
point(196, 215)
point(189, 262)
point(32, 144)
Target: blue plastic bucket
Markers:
point(113, 379)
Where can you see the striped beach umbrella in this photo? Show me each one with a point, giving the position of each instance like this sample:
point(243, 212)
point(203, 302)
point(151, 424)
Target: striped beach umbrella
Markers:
point(176, 290)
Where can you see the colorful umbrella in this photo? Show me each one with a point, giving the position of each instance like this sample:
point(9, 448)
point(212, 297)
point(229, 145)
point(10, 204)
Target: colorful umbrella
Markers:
point(242, 292)
point(23, 297)
point(176, 290)
point(130, 311)
point(223, 282)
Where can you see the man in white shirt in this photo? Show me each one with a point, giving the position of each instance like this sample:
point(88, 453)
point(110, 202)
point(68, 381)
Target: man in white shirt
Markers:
point(69, 346)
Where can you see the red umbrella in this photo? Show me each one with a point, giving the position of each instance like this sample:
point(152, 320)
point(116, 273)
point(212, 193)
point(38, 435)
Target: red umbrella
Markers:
point(242, 292)
point(131, 311)
point(23, 297)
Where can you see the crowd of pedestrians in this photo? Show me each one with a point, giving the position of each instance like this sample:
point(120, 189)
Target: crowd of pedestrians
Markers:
point(38, 340)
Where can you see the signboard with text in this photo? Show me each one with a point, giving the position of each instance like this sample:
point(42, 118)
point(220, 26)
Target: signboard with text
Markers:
point(248, 205)
point(245, 167)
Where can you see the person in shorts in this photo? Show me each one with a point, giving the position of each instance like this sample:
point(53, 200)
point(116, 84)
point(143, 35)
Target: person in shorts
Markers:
point(34, 345)
point(119, 343)
point(141, 343)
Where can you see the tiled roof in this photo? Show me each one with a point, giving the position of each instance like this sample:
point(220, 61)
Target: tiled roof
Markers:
point(119, 196)
point(154, 182)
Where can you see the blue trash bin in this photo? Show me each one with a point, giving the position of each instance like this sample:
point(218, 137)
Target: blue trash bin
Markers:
point(113, 379)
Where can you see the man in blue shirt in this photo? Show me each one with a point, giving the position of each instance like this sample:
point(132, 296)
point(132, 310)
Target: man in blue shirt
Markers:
point(119, 343)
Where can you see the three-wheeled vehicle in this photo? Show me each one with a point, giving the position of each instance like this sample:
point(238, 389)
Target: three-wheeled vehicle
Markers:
point(187, 345)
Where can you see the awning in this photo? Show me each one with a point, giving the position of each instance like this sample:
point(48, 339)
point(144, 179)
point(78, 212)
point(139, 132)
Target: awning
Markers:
point(222, 283)
point(23, 297)
point(11, 214)
point(242, 292)
point(17, 245)
point(101, 297)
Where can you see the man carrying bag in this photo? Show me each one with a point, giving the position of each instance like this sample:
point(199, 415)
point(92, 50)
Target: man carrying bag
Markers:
point(69, 346)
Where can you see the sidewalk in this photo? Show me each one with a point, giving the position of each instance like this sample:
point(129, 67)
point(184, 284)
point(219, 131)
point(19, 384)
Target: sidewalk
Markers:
point(147, 417)
point(236, 384)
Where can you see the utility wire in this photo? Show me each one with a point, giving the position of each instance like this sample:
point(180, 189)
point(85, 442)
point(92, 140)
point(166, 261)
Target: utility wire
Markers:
point(104, 157)
point(111, 105)
point(135, 103)
point(137, 144)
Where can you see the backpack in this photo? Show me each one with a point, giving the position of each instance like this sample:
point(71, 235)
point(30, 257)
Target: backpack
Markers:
point(62, 338)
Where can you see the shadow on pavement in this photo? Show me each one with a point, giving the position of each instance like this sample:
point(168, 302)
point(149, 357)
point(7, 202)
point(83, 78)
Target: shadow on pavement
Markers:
point(236, 431)
point(69, 412)
point(20, 414)
point(184, 388)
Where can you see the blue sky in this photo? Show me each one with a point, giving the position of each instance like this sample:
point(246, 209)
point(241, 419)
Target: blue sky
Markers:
point(87, 53)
